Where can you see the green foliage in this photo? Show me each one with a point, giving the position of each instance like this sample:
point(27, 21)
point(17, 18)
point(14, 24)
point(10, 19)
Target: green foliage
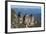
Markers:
point(12, 14)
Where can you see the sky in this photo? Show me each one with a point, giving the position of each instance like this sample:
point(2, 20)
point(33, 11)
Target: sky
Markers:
point(27, 9)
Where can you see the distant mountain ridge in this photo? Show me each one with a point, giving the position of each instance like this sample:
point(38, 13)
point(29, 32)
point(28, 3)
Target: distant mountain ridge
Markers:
point(28, 11)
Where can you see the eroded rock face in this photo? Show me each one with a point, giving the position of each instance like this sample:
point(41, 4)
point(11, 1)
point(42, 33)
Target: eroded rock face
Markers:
point(23, 21)
point(29, 21)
